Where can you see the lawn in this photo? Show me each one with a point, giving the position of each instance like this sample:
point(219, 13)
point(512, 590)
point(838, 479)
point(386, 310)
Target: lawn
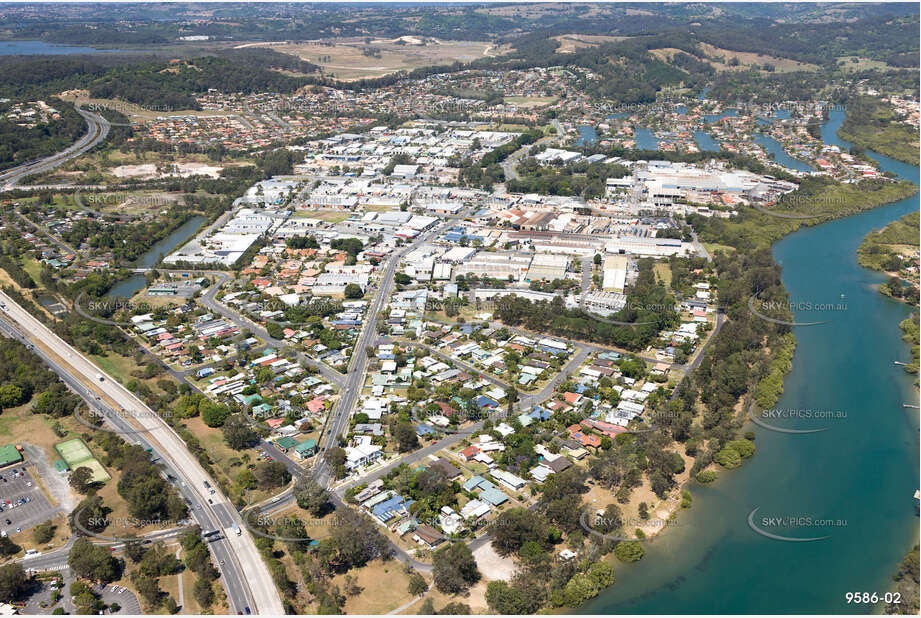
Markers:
point(530, 101)
point(384, 587)
point(331, 216)
point(664, 272)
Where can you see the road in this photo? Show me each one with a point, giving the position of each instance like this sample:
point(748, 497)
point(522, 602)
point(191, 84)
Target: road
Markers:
point(246, 577)
point(508, 165)
point(355, 375)
point(97, 131)
point(208, 300)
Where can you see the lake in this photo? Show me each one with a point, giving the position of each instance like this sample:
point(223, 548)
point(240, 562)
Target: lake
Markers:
point(706, 142)
point(41, 48)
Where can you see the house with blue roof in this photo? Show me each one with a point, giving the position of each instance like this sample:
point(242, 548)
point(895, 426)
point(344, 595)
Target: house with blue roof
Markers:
point(423, 429)
point(539, 414)
point(391, 508)
point(482, 401)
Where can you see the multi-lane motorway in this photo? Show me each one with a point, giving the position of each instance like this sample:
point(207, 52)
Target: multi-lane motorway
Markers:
point(97, 130)
point(246, 577)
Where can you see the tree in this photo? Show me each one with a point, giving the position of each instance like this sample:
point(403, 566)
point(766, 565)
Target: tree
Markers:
point(90, 514)
point(505, 599)
point(515, 527)
point(93, 562)
point(728, 458)
point(148, 588)
point(271, 474)
point(214, 415)
point(336, 458)
point(427, 608)
point(454, 568)
point(8, 547)
point(455, 608)
point(353, 290)
point(238, 434)
point(312, 497)
point(629, 551)
point(406, 437)
point(204, 592)
point(43, 532)
point(85, 598)
point(11, 395)
point(12, 581)
point(417, 584)
point(81, 479)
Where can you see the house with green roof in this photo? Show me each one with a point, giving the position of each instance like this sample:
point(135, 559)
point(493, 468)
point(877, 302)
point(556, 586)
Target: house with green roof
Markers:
point(262, 409)
point(307, 448)
point(285, 443)
point(248, 400)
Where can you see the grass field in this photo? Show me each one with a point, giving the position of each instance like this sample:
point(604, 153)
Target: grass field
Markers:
point(331, 216)
point(530, 101)
point(345, 58)
point(384, 587)
point(570, 43)
point(747, 60)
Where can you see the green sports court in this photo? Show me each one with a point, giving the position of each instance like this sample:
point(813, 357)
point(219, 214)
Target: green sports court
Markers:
point(76, 454)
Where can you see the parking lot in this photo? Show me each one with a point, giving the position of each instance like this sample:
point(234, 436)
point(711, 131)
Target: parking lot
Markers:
point(23, 503)
point(39, 601)
point(126, 599)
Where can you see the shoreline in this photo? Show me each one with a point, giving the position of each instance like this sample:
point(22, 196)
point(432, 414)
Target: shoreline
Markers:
point(685, 485)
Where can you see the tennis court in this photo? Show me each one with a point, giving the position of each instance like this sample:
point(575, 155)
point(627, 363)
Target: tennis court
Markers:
point(76, 454)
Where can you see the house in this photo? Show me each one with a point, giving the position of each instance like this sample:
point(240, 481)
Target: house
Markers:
point(445, 467)
point(450, 521)
point(493, 496)
point(576, 434)
point(362, 453)
point(468, 453)
point(307, 448)
point(393, 507)
point(559, 464)
point(474, 510)
point(285, 443)
point(541, 473)
point(374, 429)
point(427, 536)
point(508, 479)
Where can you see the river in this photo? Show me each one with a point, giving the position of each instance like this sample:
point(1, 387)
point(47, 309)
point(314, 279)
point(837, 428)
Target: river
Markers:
point(862, 471)
point(130, 286)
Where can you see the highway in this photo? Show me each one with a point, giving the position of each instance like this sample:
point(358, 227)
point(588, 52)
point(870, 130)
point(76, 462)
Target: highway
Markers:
point(97, 131)
point(246, 577)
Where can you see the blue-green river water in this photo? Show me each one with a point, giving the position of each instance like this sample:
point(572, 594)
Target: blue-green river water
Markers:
point(861, 472)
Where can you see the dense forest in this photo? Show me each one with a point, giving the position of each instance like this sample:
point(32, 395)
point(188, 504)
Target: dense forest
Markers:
point(24, 378)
